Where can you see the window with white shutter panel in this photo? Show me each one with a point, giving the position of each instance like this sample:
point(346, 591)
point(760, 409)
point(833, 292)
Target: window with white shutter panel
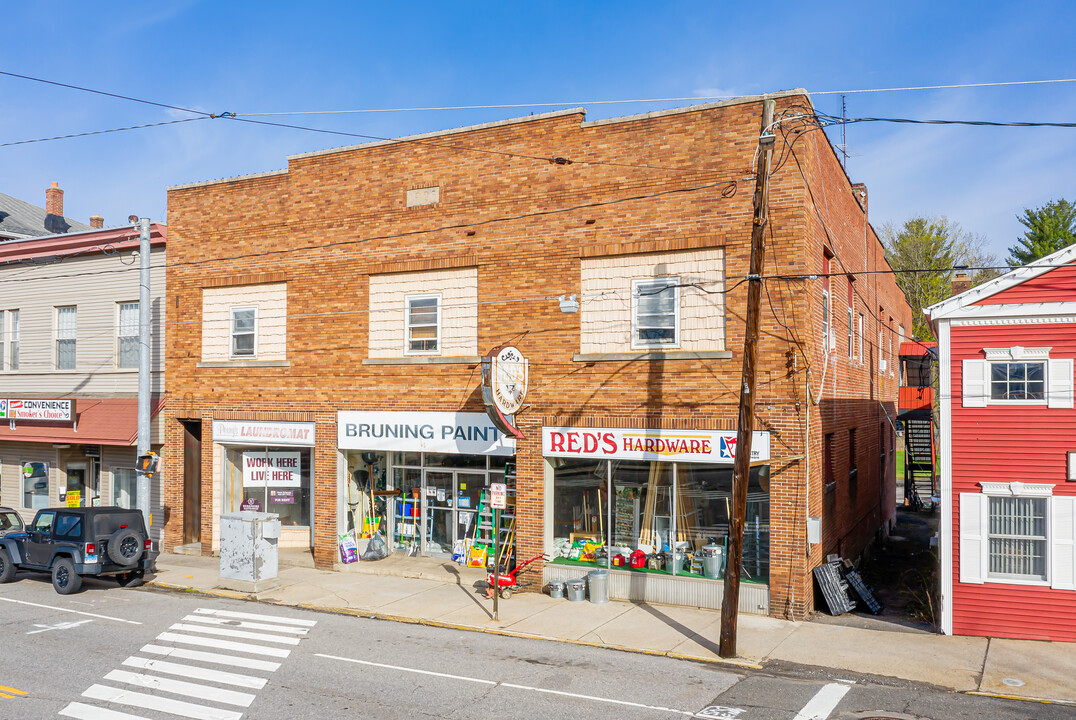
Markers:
point(1063, 543)
point(975, 388)
point(972, 537)
point(1059, 379)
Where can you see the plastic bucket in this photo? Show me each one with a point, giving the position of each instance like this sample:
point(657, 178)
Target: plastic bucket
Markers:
point(599, 586)
point(556, 589)
point(577, 590)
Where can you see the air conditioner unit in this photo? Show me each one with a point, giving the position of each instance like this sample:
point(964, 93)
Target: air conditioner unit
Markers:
point(882, 367)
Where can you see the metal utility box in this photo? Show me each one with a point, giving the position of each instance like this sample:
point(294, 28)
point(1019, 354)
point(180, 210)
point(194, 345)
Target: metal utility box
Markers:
point(248, 551)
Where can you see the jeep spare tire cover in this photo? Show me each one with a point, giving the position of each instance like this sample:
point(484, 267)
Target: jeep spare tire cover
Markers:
point(126, 546)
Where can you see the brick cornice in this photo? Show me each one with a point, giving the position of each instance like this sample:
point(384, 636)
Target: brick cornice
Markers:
point(441, 263)
point(692, 242)
point(250, 279)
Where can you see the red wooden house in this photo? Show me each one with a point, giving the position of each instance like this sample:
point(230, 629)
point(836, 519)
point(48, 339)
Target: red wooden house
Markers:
point(1008, 460)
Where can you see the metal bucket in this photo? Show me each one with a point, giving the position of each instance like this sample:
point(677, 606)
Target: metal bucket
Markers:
point(599, 586)
point(556, 589)
point(577, 590)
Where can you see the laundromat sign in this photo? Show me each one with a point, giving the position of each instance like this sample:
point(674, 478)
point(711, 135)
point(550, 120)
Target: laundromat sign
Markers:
point(254, 432)
point(703, 446)
point(438, 432)
point(49, 410)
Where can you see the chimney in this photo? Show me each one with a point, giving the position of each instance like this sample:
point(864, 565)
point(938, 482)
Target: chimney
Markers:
point(96, 221)
point(961, 282)
point(859, 191)
point(54, 210)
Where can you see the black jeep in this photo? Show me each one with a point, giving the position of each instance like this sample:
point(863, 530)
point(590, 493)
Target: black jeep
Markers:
point(72, 542)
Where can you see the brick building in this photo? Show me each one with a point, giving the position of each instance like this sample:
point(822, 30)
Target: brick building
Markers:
point(327, 324)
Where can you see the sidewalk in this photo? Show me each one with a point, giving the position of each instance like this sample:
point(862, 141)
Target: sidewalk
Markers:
point(435, 592)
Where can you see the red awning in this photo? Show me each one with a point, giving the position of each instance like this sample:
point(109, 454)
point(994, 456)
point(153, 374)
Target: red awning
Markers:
point(111, 421)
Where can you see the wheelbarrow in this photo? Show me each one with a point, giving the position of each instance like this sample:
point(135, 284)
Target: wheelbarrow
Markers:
point(509, 582)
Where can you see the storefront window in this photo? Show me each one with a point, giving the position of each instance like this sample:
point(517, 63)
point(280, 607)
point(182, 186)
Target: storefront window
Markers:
point(124, 487)
point(268, 479)
point(35, 485)
point(642, 531)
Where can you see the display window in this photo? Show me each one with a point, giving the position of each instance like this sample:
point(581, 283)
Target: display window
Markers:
point(269, 479)
point(662, 517)
point(35, 485)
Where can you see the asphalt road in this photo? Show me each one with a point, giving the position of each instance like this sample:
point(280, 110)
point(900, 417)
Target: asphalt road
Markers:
point(112, 654)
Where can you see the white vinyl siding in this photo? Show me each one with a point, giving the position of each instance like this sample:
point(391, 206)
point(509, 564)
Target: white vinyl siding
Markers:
point(66, 337)
point(423, 325)
point(655, 313)
point(391, 329)
point(127, 336)
point(270, 338)
point(608, 307)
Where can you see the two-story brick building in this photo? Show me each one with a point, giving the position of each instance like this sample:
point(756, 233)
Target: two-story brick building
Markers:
point(69, 306)
point(330, 319)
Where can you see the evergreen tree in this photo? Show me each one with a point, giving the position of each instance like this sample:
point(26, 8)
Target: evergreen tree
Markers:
point(1049, 228)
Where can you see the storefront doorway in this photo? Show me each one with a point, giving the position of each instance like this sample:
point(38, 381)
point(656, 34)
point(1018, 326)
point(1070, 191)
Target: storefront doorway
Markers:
point(449, 513)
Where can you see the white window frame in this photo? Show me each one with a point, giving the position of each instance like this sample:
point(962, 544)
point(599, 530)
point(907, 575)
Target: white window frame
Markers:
point(825, 320)
point(851, 334)
point(671, 283)
point(860, 339)
point(231, 332)
point(1058, 383)
point(120, 337)
point(11, 341)
point(408, 299)
point(58, 337)
point(980, 502)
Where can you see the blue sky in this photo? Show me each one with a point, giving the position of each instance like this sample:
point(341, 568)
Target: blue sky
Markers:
point(248, 57)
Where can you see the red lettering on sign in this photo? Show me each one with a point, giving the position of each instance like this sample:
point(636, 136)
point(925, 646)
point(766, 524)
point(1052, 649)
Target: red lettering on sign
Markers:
point(706, 446)
point(573, 444)
point(610, 443)
point(590, 442)
point(556, 441)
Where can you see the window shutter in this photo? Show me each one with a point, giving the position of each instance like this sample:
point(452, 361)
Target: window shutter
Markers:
point(973, 511)
point(1059, 377)
point(976, 388)
point(1063, 543)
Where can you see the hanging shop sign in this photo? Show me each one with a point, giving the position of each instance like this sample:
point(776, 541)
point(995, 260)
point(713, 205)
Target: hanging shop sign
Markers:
point(255, 432)
point(504, 387)
point(703, 446)
point(53, 410)
point(463, 433)
point(271, 469)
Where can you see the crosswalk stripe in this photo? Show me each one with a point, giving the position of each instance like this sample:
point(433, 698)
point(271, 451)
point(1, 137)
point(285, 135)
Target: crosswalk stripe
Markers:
point(241, 625)
point(224, 632)
point(80, 711)
point(181, 687)
point(218, 658)
point(255, 616)
point(162, 704)
point(194, 672)
point(224, 644)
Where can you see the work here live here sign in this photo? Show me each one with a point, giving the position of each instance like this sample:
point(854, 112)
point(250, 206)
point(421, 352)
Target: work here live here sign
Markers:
point(271, 470)
point(701, 446)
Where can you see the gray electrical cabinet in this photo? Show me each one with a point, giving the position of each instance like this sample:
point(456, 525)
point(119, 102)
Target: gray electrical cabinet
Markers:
point(248, 551)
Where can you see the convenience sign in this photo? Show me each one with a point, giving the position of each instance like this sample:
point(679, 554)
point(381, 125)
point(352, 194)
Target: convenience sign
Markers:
point(703, 446)
point(50, 410)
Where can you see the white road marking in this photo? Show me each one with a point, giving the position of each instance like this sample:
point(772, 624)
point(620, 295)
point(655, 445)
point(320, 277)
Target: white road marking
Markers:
point(92, 712)
point(233, 660)
point(224, 632)
point(255, 616)
point(181, 687)
point(58, 626)
point(483, 681)
point(225, 645)
point(193, 672)
point(241, 625)
point(77, 612)
point(822, 704)
point(161, 704)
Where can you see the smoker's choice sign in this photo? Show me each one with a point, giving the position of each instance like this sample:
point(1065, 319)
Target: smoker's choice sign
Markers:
point(50, 410)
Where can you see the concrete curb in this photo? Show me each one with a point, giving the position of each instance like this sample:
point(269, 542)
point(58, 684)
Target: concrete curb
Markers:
point(373, 615)
point(1025, 698)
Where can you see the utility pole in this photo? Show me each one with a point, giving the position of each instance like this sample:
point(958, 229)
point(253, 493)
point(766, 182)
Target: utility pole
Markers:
point(144, 311)
point(742, 461)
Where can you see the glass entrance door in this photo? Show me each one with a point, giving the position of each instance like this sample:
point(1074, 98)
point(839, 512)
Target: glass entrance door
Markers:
point(78, 489)
point(438, 512)
point(469, 486)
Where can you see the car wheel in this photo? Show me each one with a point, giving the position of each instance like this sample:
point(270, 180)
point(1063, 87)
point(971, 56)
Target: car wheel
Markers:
point(64, 578)
point(131, 579)
point(7, 568)
point(126, 546)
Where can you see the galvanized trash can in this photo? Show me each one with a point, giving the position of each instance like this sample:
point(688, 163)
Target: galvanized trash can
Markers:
point(599, 586)
point(713, 561)
point(577, 590)
point(556, 589)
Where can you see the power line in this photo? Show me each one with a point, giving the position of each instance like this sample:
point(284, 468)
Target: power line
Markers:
point(106, 94)
point(101, 132)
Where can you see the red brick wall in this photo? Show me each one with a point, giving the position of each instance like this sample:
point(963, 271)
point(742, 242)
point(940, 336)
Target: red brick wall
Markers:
point(284, 223)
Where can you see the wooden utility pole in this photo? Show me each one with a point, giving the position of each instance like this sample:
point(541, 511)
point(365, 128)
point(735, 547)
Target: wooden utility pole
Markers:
point(742, 460)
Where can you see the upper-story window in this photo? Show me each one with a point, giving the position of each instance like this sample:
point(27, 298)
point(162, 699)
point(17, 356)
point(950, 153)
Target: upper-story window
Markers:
point(244, 332)
point(859, 340)
point(851, 321)
point(423, 324)
point(66, 336)
point(826, 311)
point(1017, 376)
point(655, 313)
point(13, 340)
point(127, 335)
point(245, 323)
